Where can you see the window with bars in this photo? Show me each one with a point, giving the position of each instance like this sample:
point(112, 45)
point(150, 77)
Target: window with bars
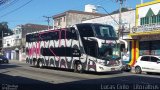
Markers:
point(150, 20)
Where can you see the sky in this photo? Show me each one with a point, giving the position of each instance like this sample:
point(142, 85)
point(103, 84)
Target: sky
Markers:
point(17, 12)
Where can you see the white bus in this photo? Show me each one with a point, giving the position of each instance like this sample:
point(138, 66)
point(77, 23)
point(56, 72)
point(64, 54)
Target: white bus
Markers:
point(85, 46)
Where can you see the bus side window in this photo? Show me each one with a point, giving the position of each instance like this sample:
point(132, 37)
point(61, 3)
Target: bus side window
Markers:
point(62, 34)
point(71, 34)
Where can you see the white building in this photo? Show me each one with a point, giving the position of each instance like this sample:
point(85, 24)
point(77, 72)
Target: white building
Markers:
point(14, 45)
point(11, 45)
point(128, 20)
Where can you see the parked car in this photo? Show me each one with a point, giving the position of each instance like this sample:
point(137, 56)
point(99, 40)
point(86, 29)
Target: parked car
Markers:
point(147, 63)
point(3, 59)
point(126, 67)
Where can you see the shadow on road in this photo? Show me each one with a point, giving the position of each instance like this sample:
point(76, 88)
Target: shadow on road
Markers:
point(132, 82)
point(84, 72)
point(8, 82)
point(5, 66)
point(116, 83)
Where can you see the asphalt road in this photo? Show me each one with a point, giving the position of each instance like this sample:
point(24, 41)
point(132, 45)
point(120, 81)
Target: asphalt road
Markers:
point(21, 76)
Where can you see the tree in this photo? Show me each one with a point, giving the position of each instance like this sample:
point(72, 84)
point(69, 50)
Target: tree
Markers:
point(123, 10)
point(5, 29)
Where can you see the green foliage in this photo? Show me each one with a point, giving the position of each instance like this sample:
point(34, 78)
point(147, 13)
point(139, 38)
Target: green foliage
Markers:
point(5, 29)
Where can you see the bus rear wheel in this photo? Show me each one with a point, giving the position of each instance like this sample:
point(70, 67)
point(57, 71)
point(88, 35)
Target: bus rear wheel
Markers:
point(78, 67)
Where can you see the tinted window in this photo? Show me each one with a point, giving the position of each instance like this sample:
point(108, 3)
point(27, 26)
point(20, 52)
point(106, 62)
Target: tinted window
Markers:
point(85, 30)
point(154, 59)
point(105, 31)
point(63, 34)
point(32, 37)
point(63, 51)
point(71, 34)
point(145, 58)
point(49, 36)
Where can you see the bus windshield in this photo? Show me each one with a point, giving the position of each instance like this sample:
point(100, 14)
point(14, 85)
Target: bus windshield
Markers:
point(109, 51)
point(105, 32)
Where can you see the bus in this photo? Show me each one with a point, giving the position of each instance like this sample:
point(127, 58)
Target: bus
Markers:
point(82, 47)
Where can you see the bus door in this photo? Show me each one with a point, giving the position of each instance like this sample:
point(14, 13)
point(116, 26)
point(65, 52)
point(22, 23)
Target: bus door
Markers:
point(90, 46)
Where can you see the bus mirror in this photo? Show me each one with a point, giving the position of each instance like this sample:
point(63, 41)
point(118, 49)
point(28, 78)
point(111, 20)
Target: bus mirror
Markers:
point(72, 29)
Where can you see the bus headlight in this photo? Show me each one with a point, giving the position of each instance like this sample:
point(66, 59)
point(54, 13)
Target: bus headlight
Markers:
point(102, 62)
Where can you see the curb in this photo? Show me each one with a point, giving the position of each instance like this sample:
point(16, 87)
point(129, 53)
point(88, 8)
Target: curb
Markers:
point(17, 61)
point(133, 70)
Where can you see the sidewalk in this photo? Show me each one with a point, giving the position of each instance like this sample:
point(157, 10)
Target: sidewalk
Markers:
point(133, 70)
point(17, 61)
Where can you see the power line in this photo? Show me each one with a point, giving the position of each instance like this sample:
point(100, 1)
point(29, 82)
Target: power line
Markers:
point(16, 9)
point(3, 2)
point(10, 4)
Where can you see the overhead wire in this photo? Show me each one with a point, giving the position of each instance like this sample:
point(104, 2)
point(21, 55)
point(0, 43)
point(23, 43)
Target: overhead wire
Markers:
point(16, 9)
point(3, 2)
point(12, 2)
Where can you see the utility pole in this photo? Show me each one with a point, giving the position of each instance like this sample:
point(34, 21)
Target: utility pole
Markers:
point(2, 42)
point(98, 6)
point(120, 16)
point(48, 20)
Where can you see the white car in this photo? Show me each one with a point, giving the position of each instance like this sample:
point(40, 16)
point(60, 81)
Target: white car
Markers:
point(147, 63)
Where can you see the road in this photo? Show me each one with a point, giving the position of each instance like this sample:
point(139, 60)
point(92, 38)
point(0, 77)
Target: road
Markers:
point(21, 76)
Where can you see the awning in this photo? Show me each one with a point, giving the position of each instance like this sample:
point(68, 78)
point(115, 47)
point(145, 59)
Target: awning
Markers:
point(145, 33)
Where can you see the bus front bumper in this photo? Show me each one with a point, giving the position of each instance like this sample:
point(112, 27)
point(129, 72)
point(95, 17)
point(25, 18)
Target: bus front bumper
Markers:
point(102, 68)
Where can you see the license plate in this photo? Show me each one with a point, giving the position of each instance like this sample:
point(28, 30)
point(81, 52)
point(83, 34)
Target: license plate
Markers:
point(112, 69)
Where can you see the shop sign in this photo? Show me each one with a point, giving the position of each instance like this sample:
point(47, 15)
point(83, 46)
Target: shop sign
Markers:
point(146, 28)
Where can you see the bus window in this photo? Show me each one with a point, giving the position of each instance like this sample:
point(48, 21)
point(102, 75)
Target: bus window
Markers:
point(85, 30)
point(122, 47)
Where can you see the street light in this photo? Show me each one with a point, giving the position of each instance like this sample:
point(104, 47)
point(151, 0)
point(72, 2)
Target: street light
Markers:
point(98, 6)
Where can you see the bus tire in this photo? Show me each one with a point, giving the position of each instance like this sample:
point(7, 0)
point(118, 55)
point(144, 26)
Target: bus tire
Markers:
point(40, 64)
point(138, 70)
point(34, 62)
point(78, 67)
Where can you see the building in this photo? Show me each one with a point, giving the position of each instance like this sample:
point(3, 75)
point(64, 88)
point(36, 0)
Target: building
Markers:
point(14, 45)
point(128, 20)
point(71, 17)
point(146, 35)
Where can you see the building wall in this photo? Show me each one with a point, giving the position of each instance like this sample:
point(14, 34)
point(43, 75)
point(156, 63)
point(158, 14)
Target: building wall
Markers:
point(74, 18)
point(128, 19)
point(16, 42)
point(150, 8)
point(70, 18)
point(11, 46)
point(13, 40)
point(61, 21)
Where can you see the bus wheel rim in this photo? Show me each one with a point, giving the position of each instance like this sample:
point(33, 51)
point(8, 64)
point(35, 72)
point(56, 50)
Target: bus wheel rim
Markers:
point(79, 67)
point(40, 64)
